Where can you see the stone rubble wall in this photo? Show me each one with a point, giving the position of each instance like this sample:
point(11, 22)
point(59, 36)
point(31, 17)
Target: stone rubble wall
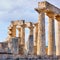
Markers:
point(11, 57)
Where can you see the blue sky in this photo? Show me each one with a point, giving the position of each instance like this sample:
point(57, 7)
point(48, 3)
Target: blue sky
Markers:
point(17, 10)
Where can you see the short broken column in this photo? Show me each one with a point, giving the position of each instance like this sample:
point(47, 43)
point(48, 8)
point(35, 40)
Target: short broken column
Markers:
point(58, 35)
point(51, 34)
point(30, 40)
point(35, 38)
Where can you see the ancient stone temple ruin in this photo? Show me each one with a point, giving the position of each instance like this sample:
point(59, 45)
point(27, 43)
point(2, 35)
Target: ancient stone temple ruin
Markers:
point(37, 41)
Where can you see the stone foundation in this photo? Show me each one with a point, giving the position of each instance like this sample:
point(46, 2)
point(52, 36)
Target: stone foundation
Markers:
point(30, 58)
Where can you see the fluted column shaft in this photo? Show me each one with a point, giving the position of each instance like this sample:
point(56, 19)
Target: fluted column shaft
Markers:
point(41, 35)
point(57, 36)
point(35, 38)
point(51, 36)
point(22, 35)
point(22, 41)
point(31, 41)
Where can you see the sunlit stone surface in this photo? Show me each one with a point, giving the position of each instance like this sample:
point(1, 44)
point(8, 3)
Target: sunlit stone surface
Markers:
point(14, 46)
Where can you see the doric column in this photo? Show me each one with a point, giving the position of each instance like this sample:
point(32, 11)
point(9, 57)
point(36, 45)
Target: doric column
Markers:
point(22, 34)
point(22, 41)
point(58, 35)
point(30, 41)
point(35, 38)
point(51, 34)
point(41, 48)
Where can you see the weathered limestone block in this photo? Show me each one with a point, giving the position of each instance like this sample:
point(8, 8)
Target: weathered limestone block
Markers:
point(14, 45)
point(22, 35)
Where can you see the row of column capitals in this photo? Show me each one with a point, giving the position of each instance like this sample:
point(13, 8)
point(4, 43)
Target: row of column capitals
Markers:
point(49, 13)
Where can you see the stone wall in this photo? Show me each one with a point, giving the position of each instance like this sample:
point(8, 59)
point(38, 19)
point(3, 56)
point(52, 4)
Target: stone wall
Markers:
point(29, 58)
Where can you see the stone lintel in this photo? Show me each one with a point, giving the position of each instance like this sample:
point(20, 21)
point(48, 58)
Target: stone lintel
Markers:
point(28, 24)
point(21, 22)
point(18, 22)
point(49, 13)
point(47, 6)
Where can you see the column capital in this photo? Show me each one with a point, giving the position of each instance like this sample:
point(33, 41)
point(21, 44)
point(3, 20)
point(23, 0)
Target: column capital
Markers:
point(39, 10)
point(31, 27)
point(50, 14)
point(36, 24)
point(57, 17)
point(19, 27)
point(23, 26)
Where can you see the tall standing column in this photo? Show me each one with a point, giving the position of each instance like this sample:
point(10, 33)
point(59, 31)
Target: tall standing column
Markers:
point(41, 50)
point(57, 35)
point(22, 43)
point(35, 38)
point(30, 41)
point(22, 35)
point(51, 37)
point(51, 34)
